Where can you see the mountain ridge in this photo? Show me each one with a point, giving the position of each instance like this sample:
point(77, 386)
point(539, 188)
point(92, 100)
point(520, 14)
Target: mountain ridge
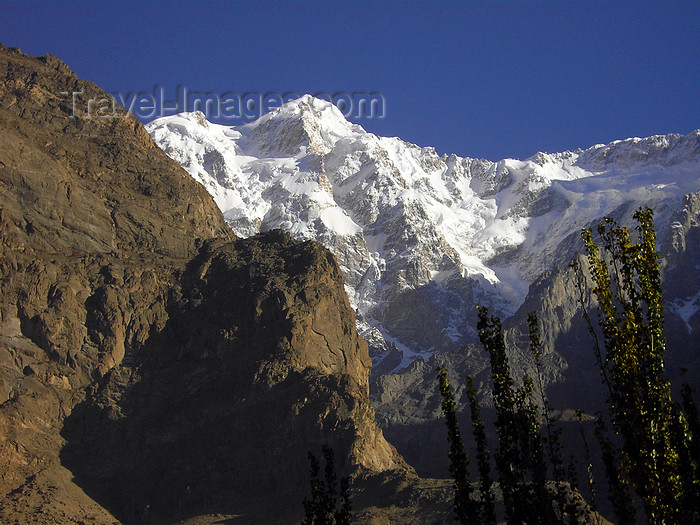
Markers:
point(410, 227)
point(423, 238)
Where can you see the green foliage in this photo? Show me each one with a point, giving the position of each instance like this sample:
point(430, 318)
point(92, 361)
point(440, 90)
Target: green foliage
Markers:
point(687, 433)
point(509, 460)
point(618, 486)
point(488, 508)
point(322, 508)
point(465, 506)
point(521, 460)
point(627, 284)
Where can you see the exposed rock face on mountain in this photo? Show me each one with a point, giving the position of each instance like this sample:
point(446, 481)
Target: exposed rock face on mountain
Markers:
point(152, 366)
point(409, 411)
point(422, 239)
point(224, 407)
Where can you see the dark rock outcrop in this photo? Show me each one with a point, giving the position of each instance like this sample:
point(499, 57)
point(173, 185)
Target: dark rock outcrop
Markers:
point(257, 363)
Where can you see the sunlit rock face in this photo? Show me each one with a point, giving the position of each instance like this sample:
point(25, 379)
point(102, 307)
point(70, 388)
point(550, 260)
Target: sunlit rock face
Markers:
point(153, 366)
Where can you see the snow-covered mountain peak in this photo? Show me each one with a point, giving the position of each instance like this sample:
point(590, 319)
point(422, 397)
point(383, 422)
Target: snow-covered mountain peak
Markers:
point(198, 117)
point(306, 125)
point(657, 150)
point(541, 158)
point(307, 107)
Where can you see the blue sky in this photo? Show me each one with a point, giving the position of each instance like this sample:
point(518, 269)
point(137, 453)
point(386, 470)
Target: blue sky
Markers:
point(480, 79)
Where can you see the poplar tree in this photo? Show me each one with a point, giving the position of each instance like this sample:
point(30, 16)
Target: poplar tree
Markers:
point(627, 283)
point(465, 506)
point(322, 507)
point(509, 464)
point(488, 508)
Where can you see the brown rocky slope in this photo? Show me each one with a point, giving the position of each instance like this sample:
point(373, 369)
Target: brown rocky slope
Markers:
point(152, 367)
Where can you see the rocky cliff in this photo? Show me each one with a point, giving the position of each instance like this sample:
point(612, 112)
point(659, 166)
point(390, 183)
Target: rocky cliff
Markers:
point(152, 366)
